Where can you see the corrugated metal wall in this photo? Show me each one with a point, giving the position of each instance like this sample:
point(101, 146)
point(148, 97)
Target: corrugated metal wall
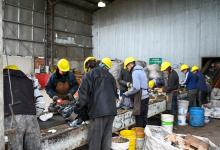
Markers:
point(176, 30)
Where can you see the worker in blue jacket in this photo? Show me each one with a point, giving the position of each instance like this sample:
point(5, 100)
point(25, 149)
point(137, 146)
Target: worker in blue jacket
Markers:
point(191, 84)
point(201, 86)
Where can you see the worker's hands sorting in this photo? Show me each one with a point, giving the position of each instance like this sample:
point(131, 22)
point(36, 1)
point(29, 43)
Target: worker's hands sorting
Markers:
point(70, 97)
point(55, 98)
point(129, 85)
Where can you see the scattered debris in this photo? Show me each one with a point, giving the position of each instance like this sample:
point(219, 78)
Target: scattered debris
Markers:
point(52, 131)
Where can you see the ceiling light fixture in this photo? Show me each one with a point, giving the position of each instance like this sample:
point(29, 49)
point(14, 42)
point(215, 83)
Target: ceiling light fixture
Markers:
point(101, 4)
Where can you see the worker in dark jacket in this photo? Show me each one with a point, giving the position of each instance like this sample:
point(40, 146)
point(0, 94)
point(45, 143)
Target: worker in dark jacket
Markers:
point(99, 92)
point(171, 88)
point(62, 84)
point(139, 91)
point(201, 86)
point(191, 84)
point(89, 64)
point(20, 110)
point(124, 80)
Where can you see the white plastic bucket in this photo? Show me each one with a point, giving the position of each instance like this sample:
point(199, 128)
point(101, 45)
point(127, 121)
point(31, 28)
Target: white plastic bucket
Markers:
point(139, 143)
point(183, 107)
point(119, 143)
point(182, 120)
point(167, 122)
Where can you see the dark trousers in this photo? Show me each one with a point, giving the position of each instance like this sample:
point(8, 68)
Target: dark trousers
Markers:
point(202, 98)
point(192, 97)
point(141, 120)
point(174, 106)
point(27, 134)
point(100, 133)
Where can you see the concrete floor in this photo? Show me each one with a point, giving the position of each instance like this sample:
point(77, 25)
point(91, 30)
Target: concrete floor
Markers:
point(210, 131)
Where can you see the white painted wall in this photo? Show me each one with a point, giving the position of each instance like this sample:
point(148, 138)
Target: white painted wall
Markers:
point(181, 31)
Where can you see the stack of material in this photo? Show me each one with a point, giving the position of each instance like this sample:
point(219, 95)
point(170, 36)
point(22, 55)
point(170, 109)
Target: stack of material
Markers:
point(156, 137)
point(116, 68)
point(188, 143)
point(154, 71)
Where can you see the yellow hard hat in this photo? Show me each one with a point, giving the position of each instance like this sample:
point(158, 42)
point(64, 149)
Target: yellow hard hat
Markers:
point(63, 65)
point(194, 68)
point(12, 67)
point(151, 84)
point(165, 65)
point(127, 61)
point(107, 61)
point(184, 67)
point(87, 60)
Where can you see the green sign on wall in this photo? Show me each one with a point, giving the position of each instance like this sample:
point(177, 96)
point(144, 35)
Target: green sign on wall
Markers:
point(155, 61)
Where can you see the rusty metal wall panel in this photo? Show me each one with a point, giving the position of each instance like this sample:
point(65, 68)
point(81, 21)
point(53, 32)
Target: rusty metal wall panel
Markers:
point(11, 13)
point(25, 16)
point(25, 49)
point(39, 19)
point(38, 34)
point(12, 47)
point(38, 49)
point(25, 32)
point(26, 3)
point(75, 53)
point(10, 30)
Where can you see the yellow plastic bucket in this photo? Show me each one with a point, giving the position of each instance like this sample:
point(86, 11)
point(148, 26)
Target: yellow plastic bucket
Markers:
point(131, 135)
point(139, 137)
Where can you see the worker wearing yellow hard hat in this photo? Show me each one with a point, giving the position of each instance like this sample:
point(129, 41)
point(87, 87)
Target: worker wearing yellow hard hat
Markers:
point(190, 82)
point(139, 84)
point(107, 62)
point(12, 67)
point(201, 86)
point(171, 88)
point(89, 64)
point(129, 60)
point(62, 84)
point(25, 107)
point(98, 94)
point(151, 84)
point(195, 68)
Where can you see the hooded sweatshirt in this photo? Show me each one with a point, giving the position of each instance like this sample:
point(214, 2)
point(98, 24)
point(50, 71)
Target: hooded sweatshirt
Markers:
point(139, 81)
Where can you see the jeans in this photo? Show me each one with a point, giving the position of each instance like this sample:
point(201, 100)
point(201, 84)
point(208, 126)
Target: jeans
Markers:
point(141, 120)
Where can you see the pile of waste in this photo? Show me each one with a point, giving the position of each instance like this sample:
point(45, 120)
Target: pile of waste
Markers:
point(157, 137)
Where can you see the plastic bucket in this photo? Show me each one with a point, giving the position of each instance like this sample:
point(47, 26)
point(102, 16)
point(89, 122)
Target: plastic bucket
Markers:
point(167, 122)
point(129, 134)
point(183, 107)
point(139, 137)
point(182, 120)
point(42, 79)
point(119, 143)
point(196, 116)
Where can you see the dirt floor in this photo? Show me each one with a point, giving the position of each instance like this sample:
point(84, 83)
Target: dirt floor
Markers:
point(210, 131)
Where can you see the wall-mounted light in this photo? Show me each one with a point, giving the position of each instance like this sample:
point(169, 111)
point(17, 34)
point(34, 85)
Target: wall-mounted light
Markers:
point(101, 4)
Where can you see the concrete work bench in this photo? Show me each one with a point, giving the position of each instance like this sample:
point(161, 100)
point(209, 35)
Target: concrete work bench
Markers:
point(68, 138)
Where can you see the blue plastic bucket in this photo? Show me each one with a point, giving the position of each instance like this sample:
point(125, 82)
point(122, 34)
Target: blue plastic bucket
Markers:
point(196, 116)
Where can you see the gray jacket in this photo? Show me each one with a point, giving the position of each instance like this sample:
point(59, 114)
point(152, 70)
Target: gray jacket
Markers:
point(139, 81)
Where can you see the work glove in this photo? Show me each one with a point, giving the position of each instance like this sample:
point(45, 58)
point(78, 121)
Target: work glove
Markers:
point(55, 98)
point(129, 85)
point(70, 97)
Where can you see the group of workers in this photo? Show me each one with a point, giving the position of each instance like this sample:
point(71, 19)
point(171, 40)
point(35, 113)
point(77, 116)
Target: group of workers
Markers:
point(194, 82)
point(97, 96)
